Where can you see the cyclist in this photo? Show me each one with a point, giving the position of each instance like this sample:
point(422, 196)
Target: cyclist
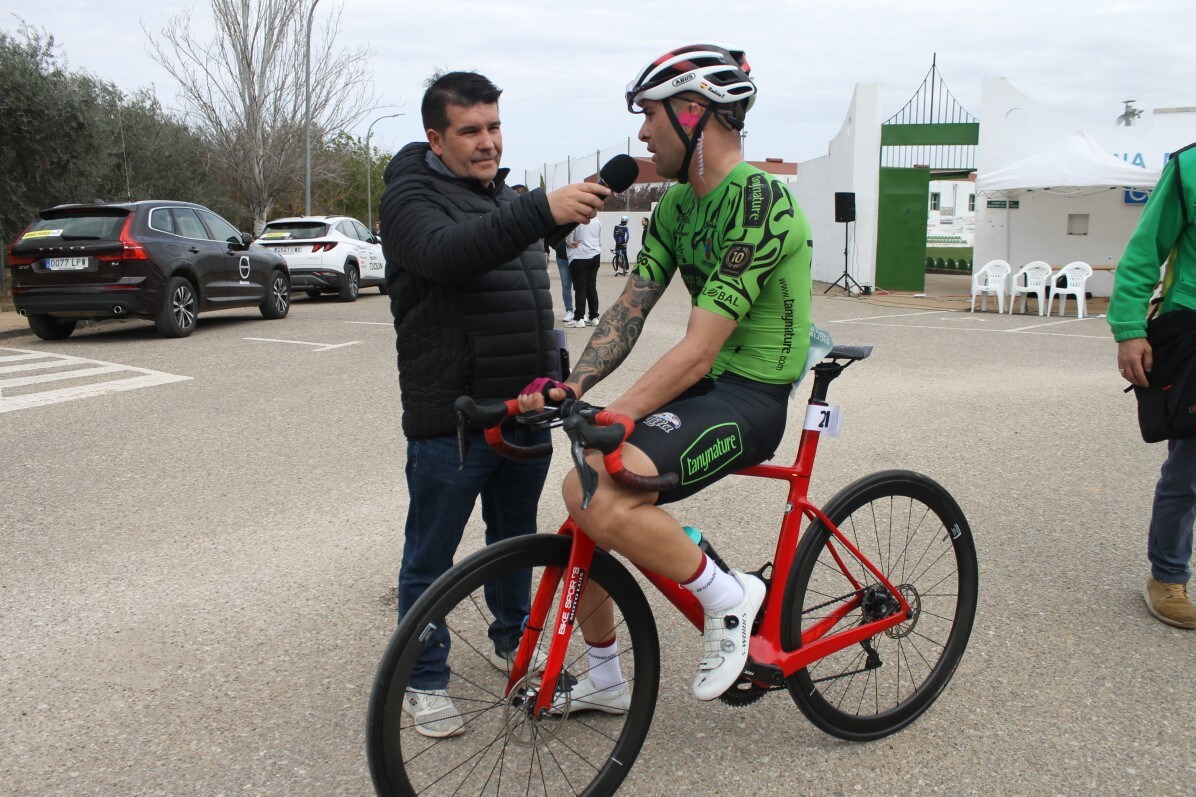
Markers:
point(621, 236)
point(716, 402)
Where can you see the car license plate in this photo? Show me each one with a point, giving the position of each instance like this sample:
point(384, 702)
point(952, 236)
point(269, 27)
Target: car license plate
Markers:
point(66, 263)
point(288, 250)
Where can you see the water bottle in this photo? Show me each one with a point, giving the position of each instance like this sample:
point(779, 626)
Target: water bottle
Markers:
point(708, 549)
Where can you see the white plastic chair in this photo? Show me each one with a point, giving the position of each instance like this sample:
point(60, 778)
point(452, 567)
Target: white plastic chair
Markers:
point(990, 278)
point(1077, 273)
point(1037, 275)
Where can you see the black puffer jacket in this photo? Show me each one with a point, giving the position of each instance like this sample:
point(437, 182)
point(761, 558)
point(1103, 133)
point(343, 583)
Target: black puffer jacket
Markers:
point(468, 288)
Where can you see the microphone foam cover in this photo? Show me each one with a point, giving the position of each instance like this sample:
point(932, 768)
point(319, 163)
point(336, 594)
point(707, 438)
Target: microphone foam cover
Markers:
point(619, 173)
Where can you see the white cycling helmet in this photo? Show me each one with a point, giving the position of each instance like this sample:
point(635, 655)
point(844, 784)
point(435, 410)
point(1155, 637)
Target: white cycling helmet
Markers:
point(718, 73)
point(622, 219)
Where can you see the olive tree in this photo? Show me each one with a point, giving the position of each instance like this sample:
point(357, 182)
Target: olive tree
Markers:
point(244, 91)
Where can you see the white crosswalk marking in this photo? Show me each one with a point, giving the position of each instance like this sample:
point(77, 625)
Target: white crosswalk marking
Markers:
point(21, 368)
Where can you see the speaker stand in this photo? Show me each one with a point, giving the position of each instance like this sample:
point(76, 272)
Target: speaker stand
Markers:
point(845, 277)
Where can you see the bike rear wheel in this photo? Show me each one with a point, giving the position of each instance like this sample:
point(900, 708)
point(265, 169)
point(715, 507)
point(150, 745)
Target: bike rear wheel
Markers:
point(915, 533)
point(502, 748)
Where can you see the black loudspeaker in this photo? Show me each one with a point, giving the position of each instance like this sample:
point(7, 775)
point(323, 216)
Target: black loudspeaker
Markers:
point(844, 206)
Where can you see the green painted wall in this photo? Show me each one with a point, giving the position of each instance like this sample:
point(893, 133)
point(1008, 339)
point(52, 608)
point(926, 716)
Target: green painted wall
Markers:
point(901, 229)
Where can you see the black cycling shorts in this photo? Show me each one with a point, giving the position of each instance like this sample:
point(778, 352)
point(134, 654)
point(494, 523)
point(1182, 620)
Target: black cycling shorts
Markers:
point(714, 428)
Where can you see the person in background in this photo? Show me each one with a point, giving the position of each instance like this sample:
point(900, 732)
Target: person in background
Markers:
point(621, 237)
point(472, 304)
point(585, 252)
point(1164, 238)
point(561, 251)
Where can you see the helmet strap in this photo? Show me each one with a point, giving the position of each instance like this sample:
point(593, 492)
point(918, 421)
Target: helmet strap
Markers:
point(691, 142)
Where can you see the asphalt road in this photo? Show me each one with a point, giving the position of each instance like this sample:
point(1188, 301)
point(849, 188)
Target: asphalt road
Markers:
point(195, 574)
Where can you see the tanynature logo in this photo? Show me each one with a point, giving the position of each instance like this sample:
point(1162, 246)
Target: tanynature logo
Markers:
point(715, 449)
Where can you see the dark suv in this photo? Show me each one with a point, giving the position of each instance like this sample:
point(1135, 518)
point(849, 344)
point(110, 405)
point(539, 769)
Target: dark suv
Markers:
point(164, 260)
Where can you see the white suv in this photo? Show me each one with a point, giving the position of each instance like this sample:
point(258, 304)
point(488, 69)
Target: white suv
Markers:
point(327, 253)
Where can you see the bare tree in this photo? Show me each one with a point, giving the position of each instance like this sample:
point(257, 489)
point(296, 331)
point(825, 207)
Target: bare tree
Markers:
point(244, 90)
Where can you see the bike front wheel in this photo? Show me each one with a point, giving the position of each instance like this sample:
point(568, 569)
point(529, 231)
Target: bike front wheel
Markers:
point(494, 745)
point(914, 532)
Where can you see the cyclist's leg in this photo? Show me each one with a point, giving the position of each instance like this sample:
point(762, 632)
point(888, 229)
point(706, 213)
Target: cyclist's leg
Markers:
point(509, 501)
point(731, 424)
point(441, 498)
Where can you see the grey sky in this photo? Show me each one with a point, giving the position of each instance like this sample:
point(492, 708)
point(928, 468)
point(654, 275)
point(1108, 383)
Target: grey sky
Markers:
point(563, 66)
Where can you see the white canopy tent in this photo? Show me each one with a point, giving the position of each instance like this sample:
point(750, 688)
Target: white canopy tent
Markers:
point(1075, 166)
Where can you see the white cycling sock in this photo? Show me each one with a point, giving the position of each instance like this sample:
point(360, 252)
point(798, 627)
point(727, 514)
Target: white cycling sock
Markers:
point(716, 589)
point(604, 665)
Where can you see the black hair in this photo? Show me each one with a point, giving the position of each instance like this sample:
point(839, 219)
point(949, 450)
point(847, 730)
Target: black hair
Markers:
point(464, 89)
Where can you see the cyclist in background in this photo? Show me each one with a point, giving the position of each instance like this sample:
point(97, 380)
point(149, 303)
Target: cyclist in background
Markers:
point(621, 236)
point(717, 401)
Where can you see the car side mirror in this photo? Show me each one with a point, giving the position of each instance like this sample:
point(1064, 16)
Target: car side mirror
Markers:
point(246, 239)
point(374, 239)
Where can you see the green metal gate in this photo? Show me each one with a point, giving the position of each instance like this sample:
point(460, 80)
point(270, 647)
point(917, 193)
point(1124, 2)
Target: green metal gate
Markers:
point(901, 229)
point(933, 134)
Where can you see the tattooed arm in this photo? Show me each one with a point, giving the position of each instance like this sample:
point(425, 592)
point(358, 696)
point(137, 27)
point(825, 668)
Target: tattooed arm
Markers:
point(680, 367)
point(616, 334)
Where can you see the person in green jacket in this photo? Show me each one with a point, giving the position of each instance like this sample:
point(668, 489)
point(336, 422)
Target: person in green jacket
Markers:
point(1165, 239)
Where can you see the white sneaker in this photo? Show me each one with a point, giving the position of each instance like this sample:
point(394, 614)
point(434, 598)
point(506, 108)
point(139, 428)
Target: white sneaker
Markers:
point(503, 662)
point(584, 696)
point(578, 324)
point(725, 641)
point(434, 713)
point(568, 316)
point(593, 322)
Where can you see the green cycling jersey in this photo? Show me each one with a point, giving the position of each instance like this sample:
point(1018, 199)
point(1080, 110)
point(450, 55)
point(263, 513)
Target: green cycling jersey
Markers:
point(744, 253)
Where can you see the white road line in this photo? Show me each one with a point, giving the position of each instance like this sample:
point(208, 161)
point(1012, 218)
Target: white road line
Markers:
point(373, 323)
point(39, 366)
point(58, 376)
point(1047, 324)
point(967, 329)
point(147, 379)
point(10, 358)
point(896, 315)
point(143, 378)
point(318, 346)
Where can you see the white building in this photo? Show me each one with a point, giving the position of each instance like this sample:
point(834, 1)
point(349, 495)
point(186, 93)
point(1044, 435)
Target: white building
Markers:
point(1012, 126)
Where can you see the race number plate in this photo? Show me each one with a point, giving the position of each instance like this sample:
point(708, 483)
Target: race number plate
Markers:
point(66, 263)
point(827, 420)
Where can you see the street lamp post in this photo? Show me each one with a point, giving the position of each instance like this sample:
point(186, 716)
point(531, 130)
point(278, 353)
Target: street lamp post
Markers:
point(307, 113)
point(369, 162)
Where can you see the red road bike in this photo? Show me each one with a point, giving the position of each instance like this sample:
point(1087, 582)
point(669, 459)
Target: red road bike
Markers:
point(868, 612)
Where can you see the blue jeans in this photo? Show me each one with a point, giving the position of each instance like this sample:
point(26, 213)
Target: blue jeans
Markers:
point(1169, 544)
point(442, 498)
point(562, 265)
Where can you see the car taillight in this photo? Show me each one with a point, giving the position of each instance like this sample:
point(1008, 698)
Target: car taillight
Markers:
point(19, 260)
point(131, 249)
point(327, 246)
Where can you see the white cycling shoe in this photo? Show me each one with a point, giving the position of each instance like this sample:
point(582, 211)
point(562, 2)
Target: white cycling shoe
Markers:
point(584, 696)
point(725, 641)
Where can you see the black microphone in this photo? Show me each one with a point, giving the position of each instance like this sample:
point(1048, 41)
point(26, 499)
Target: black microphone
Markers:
point(617, 174)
